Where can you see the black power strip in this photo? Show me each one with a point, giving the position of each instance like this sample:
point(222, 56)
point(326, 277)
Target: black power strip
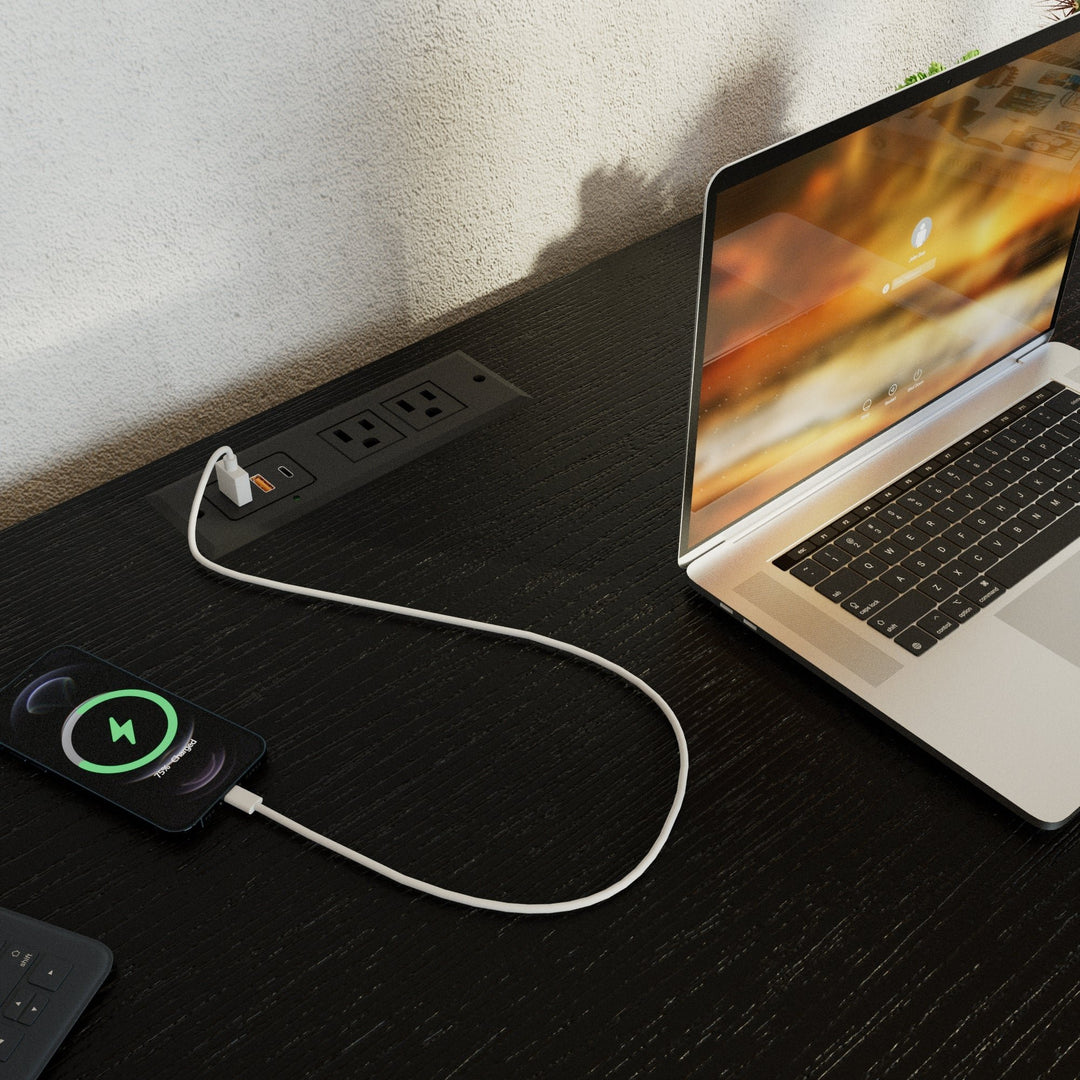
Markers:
point(337, 451)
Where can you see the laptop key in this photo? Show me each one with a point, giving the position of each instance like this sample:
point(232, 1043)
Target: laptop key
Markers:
point(981, 591)
point(810, 572)
point(936, 623)
point(918, 562)
point(869, 599)
point(1043, 545)
point(900, 613)
point(915, 640)
point(959, 608)
point(998, 545)
point(841, 585)
point(979, 558)
point(830, 556)
point(869, 566)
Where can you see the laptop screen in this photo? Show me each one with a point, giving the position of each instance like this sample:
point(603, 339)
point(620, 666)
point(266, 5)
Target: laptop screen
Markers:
point(849, 280)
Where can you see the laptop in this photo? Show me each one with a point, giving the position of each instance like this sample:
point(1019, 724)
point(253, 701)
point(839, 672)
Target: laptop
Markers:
point(883, 463)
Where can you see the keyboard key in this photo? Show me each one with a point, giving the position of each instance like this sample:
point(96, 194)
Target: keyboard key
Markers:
point(915, 640)
point(998, 545)
point(989, 484)
point(853, 543)
point(916, 501)
point(1019, 495)
point(944, 550)
point(934, 489)
point(950, 510)
point(33, 1009)
point(981, 522)
point(979, 558)
point(1068, 489)
point(958, 572)
point(897, 515)
point(1053, 502)
point(900, 613)
point(936, 623)
point(930, 523)
point(10, 1037)
point(1037, 516)
point(1008, 471)
point(920, 563)
point(900, 578)
point(1044, 416)
point(1002, 509)
point(1046, 447)
point(1018, 530)
point(873, 529)
point(841, 585)
point(1038, 482)
point(954, 476)
point(868, 565)
point(936, 587)
point(1009, 439)
point(963, 535)
point(981, 591)
point(785, 561)
point(889, 552)
point(869, 599)
point(1065, 402)
point(1026, 428)
point(1025, 459)
point(831, 556)
point(912, 539)
point(810, 572)
point(969, 496)
point(49, 973)
point(1046, 543)
point(973, 464)
point(958, 608)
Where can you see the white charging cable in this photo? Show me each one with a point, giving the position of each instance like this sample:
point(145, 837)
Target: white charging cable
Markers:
point(250, 803)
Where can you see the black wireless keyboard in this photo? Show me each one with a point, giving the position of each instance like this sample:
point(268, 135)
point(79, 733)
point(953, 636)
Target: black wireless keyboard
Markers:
point(47, 978)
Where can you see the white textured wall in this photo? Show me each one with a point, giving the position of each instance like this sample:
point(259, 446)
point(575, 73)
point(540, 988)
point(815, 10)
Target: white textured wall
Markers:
point(213, 198)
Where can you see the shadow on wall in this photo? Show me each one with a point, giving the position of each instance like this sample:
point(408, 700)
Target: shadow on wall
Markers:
point(617, 205)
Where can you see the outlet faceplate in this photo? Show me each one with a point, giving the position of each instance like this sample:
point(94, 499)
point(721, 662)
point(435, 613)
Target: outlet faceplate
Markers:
point(345, 447)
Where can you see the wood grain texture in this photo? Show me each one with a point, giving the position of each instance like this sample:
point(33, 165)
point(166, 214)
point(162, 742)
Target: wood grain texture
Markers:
point(833, 902)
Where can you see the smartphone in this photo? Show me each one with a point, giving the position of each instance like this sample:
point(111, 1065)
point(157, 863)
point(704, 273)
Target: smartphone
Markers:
point(134, 744)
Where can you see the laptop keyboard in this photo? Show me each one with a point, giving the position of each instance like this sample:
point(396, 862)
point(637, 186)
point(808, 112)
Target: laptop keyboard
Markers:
point(929, 551)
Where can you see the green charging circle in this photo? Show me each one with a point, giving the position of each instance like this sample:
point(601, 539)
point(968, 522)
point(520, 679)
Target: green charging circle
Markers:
point(172, 724)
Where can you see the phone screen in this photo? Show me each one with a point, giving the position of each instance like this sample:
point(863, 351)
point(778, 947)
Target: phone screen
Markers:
point(136, 745)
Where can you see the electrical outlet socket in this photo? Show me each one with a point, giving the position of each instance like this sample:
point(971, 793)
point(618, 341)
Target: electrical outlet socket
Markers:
point(361, 435)
point(423, 405)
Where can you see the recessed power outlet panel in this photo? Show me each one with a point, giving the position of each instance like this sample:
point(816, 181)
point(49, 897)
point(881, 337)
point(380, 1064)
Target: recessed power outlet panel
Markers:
point(318, 460)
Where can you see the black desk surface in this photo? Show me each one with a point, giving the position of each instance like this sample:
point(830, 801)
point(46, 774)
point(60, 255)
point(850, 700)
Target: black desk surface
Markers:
point(833, 902)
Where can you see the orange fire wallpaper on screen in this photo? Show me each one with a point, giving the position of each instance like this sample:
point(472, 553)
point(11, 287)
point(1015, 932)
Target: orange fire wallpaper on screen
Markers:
point(860, 281)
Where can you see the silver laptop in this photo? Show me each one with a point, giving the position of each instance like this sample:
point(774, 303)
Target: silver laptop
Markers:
point(883, 466)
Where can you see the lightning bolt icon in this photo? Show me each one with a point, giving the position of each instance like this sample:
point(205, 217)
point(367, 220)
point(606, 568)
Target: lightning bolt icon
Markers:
point(126, 730)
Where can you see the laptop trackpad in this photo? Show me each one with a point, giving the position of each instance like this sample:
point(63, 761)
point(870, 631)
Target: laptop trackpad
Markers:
point(1040, 614)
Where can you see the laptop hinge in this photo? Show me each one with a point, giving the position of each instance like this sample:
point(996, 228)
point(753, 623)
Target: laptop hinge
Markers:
point(882, 442)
